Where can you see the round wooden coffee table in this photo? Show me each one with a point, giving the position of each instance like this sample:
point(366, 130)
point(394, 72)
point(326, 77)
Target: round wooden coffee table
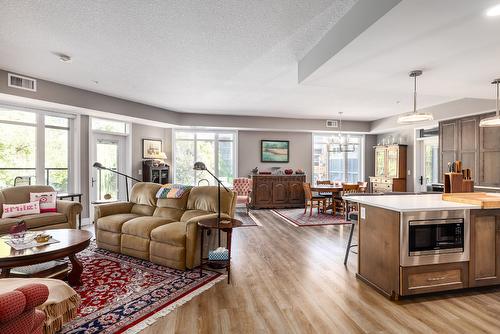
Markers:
point(70, 242)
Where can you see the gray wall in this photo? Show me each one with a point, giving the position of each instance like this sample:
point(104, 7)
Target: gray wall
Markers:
point(249, 151)
point(140, 132)
point(369, 156)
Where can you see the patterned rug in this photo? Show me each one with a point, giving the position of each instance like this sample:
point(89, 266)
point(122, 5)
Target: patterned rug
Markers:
point(297, 217)
point(124, 294)
point(248, 219)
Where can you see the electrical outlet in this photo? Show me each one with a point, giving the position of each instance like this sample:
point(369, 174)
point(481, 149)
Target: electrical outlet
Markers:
point(139, 172)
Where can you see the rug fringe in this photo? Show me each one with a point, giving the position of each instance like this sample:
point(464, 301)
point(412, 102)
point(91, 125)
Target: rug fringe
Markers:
point(163, 312)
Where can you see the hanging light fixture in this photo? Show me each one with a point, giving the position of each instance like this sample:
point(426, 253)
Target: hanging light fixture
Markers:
point(415, 116)
point(342, 144)
point(495, 120)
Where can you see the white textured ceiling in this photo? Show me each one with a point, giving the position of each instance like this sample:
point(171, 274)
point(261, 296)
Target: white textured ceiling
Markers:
point(240, 57)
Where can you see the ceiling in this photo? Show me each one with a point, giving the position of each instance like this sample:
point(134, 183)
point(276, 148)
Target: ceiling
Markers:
point(241, 57)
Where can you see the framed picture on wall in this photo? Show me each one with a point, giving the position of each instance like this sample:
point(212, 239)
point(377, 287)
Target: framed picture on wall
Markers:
point(151, 148)
point(274, 151)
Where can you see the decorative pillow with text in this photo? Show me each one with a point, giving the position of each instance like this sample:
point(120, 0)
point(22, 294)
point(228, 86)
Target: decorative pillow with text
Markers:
point(16, 210)
point(47, 201)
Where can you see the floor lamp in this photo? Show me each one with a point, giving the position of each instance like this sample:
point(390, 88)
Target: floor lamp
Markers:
point(98, 165)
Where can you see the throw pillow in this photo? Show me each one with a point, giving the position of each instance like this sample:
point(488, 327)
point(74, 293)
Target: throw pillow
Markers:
point(16, 210)
point(47, 201)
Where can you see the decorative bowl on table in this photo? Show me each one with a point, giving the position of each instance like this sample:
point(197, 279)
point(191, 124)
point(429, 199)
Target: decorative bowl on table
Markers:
point(21, 238)
point(288, 171)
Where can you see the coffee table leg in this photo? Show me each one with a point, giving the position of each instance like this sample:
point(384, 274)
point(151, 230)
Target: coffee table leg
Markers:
point(74, 276)
point(5, 273)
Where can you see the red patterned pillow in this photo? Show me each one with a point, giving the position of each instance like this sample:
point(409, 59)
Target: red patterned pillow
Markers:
point(47, 201)
point(16, 210)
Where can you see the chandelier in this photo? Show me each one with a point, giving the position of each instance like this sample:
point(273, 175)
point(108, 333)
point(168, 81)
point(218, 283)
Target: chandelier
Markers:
point(340, 143)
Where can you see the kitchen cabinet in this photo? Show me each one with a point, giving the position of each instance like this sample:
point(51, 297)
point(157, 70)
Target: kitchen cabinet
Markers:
point(277, 191)
point(390, 168)
point(484, 265)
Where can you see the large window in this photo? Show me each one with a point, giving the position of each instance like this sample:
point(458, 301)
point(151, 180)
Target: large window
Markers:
point(215, 149)
point(336, 166)
point(34, 148)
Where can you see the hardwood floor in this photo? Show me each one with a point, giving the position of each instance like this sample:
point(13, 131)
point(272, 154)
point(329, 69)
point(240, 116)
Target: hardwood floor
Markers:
point(288, 279)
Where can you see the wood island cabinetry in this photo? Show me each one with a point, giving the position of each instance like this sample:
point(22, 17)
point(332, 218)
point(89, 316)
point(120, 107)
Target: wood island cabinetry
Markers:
point(277, 191)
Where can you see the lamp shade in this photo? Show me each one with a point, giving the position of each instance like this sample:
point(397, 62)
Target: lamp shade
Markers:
point(98, 165)
point(415, 117)
point(199, 166)
point(490, 122)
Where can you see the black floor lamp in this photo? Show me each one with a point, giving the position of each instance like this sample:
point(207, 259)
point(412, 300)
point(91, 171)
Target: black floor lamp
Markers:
point(201, 166)
point(98, 165)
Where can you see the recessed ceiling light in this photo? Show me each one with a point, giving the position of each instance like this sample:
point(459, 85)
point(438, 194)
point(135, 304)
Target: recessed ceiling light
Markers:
point(493, 11)
point(65, 58)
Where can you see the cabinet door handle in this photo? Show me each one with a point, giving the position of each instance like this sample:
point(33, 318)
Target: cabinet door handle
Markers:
point(433, 279)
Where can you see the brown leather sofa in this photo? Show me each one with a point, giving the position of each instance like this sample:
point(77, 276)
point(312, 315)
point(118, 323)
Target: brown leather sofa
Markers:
point(65, 217)
point(163, 231)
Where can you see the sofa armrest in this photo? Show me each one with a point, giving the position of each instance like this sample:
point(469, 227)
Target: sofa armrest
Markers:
point(196, 219)
point(70, 209)
point(108, 209)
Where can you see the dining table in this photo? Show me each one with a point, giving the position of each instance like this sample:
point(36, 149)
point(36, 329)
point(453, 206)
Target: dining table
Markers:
point(329, 189)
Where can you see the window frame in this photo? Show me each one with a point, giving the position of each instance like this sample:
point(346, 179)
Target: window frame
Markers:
point(39, 125)
point(216, 141)
point(345, 156)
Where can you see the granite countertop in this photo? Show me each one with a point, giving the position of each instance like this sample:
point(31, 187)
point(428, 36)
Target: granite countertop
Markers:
point(409, 203)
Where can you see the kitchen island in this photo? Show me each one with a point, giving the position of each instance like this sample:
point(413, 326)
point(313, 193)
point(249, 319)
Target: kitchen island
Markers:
point(413, 244)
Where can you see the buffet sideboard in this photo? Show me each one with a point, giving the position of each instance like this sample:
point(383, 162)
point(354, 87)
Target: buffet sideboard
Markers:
point(277, 191)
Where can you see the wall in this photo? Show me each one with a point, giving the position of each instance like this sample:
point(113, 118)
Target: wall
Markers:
point(84, 166)
point(140, 132)
point(369, 156)
point(249, 151)
point(406, 136)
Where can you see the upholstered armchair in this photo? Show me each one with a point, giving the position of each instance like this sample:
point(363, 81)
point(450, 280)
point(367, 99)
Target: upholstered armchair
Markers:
point(18, 313)
point(243, 188)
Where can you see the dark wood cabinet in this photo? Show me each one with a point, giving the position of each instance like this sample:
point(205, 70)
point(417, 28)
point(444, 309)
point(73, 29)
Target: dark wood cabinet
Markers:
point(152, 171)
point(277, 191)
point(484, 265)
point(477, 148)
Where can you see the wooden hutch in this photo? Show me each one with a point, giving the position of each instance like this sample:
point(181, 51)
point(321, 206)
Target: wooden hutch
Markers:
point(277, 191)
point(390, 169)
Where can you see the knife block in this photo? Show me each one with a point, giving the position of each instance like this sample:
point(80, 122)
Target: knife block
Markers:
point(455, 183)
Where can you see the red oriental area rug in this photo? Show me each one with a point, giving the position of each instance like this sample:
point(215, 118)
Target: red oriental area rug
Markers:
point(124, 294)
point(297, 217)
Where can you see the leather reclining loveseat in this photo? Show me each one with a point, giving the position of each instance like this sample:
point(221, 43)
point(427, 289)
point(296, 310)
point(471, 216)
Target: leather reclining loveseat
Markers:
point(163, 231)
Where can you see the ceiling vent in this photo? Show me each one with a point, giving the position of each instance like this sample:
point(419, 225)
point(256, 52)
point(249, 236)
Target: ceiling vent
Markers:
point(20, 82)
point(332, 124)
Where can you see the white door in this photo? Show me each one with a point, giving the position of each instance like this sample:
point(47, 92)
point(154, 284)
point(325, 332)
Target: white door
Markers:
point(428, 163)
point(108, 150)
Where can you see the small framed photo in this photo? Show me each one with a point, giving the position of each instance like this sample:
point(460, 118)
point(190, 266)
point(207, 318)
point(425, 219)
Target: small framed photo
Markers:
point(151, 148)
point(274, 151)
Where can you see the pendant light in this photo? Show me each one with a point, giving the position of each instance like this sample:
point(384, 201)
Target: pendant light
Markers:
point(343, 142)
point(415, 116)
point(495, 120)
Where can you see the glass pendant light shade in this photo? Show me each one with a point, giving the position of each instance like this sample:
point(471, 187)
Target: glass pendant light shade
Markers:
point(494, 121)
point(415, 116)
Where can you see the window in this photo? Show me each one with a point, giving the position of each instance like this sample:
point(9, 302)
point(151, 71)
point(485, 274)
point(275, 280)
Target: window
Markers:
point(106, 125)
point(336, 166)
point(20, 146)
point(215, 149)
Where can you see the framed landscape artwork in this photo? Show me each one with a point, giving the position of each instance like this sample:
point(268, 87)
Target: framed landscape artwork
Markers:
point(151, 148)
point(274, 150)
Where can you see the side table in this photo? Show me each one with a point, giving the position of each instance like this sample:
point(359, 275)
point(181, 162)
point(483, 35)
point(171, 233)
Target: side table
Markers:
point(72, 196)
point(213, 223)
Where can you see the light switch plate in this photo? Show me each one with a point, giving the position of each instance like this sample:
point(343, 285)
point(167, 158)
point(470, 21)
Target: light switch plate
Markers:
point(363, 212)
point(139, 171)
point(409, 172)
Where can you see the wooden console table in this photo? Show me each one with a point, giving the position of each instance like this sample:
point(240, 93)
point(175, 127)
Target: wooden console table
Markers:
point(277, 191)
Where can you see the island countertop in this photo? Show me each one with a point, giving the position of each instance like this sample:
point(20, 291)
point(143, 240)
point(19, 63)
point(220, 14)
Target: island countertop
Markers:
point(410, 203)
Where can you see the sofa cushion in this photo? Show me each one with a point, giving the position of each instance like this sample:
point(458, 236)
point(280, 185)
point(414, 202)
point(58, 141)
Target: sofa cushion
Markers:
point(34, 221)
point(20, 194)
point(169, 213)
point(205, 198)
point(174, 203)
point(173, 234)
point(114, 223)
point(142, 226)
point(188, 214)
point(144, 193)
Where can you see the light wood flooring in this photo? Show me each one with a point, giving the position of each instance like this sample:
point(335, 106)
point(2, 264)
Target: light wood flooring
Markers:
point(288, 279)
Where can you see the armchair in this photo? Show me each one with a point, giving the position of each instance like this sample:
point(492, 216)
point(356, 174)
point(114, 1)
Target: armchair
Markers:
point(18, 313)
point(243, 188)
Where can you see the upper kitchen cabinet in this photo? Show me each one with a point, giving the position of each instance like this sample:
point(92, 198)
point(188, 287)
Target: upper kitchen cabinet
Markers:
point(477, 148)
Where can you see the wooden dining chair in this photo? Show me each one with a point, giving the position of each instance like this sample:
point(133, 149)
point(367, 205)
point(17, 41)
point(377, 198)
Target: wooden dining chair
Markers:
point(328, 196)
point(312, 200)
point(339, 205)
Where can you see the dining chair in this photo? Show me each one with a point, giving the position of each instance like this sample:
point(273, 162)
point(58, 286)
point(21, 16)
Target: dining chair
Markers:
point(328, 196)
point(312, 200)
point(243, 187)
point(338, 202)
point(363, 186)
